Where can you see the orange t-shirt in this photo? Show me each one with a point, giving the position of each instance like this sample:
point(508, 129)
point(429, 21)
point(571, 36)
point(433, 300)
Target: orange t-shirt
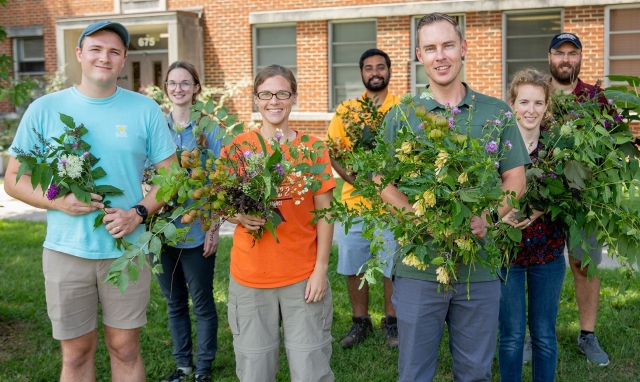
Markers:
point(267, 264)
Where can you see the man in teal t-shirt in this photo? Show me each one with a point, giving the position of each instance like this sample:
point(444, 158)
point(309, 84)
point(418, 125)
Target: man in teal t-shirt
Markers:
point(125, 130)
point(421, 310)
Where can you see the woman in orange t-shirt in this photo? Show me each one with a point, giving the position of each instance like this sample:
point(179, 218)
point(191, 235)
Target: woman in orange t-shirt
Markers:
point(282, 283)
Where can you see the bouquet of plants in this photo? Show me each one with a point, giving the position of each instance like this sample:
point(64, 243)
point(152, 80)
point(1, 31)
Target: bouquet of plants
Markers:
point(588, 174)
point(67, 166)
point(361, 124)
point(449, 176)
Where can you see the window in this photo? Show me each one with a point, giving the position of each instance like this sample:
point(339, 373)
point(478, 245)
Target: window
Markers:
point(526, 40)
point(623, 34)
point(419, 79)
point(30, 56)
point(274, 45)
point(348, 41)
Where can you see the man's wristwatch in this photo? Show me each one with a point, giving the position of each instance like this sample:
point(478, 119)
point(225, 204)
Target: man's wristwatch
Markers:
point(142, 211)
point(495, 217)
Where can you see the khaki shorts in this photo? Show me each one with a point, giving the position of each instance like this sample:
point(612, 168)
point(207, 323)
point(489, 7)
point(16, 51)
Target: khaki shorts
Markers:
point(255, 316)
point(74, 287)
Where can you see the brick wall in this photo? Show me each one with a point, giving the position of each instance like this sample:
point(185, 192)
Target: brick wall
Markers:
point(483, 63)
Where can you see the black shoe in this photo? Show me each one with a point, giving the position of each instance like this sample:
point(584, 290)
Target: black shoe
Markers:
point(359, 331)
point(178, 376)
point(389, 325)
point(202, 378)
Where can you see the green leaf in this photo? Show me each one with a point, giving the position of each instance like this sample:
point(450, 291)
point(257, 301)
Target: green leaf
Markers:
point(464, 195)
point(144, 238)
point(82, 195)
point(67, 120)
point(317, 168)
point(272, 229)
point(305, 138)
point(170, 231)
point(222, 113)
point(208, 108)
point(134, 271)
point(238, 129)
point(155, 246)
point(231, 119)
point(514, 234)
point(123, 282)
point(98, 173)
point(577, 172)
point(105, 189)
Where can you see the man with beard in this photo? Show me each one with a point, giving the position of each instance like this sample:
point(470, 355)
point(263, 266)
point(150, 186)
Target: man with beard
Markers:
point(353, 249)
point(565, 58)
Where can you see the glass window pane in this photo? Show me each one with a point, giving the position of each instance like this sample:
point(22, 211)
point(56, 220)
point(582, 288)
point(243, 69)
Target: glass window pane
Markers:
point(350, 53)
point(533, 24)
point(528, 47)
point(282, 56)
point(513, 67)
point(625, 19)
point(276, 36)
point(347, 75)
point(626, 67)
point(354, 32)
point(624, 44)
point(32, 49)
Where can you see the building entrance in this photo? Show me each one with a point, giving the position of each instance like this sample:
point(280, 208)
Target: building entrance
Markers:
point(142, 69)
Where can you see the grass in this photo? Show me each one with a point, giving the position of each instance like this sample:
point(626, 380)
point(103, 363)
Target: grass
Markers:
point(29, 353)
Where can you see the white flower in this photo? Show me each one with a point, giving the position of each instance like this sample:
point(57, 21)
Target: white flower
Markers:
point(70, 165)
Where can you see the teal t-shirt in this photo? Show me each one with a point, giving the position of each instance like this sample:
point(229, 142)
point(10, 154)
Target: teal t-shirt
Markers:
point(485, 109)
point(186, 140)
point(125, 130)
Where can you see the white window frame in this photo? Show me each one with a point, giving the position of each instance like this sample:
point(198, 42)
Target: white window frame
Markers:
point(505, 75)
point(330, 51)
point(607, 43)
point(416, 65)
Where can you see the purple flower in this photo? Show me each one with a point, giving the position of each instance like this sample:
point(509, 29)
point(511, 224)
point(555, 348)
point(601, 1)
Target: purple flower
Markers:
point(610, 101)
point(508, 144)
point(278, 168)
point(497, 164)
point(247, 154)
point(573, 112)
point(473, 97)
point(75, 145)
point(53, 191)
point(456, 111)
point(491, 147)
point(451, 121)
point(607, 125)
point(63, 162)
point(497, 122)
point(617, 118)
point(508, 114)
point(278, 136)
point(419, 126)
point(85, 154)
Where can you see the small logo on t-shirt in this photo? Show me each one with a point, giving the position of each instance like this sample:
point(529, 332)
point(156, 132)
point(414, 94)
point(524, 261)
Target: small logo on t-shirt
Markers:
point(121, 131)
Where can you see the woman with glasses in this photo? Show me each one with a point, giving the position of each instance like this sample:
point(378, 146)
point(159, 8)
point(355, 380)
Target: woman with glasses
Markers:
point(540, 262)
point(188, 267)
point(282, 284)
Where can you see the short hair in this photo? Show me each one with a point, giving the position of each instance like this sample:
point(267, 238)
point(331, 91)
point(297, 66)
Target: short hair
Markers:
point(433, 18)
point(189, 68)
point(272, 71)
point(374, 52)
point(528, 76)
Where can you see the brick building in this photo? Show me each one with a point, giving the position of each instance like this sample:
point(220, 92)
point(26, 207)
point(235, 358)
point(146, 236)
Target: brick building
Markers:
point(321, 41)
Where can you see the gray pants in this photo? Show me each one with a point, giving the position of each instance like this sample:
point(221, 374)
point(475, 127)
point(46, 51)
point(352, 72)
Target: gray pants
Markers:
point(595, 253)
point(473, 327)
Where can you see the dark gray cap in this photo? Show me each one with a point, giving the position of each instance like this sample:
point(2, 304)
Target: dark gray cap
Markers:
point(118, 28)
point(561, 38)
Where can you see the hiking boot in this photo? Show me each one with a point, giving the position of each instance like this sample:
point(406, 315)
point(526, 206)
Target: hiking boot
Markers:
point(359, 331)
point(202, 378)
point(589, 345)
point(389, 325)
point(179, 375)
point(527, 354)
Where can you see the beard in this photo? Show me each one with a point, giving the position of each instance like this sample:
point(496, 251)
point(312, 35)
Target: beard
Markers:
point(562, 77)
point(376, 87)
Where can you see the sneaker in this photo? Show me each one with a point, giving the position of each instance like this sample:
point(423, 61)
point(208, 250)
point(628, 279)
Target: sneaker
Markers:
point(179, 375)
point(589, 345)
point(389, 325)
point(527, 354)
point(359, 331)
point(202, 378)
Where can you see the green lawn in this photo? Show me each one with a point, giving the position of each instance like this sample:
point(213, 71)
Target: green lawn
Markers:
point(28, 353)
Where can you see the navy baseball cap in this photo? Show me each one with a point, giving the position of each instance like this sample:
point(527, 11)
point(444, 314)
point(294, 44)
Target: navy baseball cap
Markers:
point(118, 28)
point(561, 38)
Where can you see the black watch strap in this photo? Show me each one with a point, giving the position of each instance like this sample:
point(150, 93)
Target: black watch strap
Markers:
point(142, 211)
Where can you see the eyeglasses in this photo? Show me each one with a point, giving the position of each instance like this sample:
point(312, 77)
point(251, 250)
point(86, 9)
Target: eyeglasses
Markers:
point(266, 96)
point(572, 54)
point(184, 85)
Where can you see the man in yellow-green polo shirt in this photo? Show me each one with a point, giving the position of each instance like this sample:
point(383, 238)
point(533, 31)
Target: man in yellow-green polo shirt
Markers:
point(353, 249)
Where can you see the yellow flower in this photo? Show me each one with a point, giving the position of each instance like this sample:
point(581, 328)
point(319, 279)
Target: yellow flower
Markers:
point(420, 207)
point(429, 198)
point(406, 147)
point(412, 261)
point(463, 178)
point(441, 160)
point(442, 275)
point(464, 244)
